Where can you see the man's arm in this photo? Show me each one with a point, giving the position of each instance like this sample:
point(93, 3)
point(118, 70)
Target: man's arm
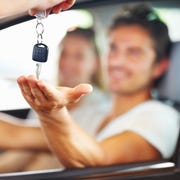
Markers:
point(73, 146)
point(9, 7)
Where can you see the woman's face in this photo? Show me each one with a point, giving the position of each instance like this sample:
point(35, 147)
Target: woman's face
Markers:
point(77, 62)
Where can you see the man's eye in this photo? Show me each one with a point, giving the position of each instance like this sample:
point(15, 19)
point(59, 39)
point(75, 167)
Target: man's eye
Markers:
point(112, 47)
point(134, 52)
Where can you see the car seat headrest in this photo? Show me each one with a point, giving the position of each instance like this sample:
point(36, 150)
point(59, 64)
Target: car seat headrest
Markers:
point(169, 87)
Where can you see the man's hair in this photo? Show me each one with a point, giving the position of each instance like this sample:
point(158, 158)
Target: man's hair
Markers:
point(142, 14)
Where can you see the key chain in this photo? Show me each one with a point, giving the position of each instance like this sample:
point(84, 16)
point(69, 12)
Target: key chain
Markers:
point(40, 50)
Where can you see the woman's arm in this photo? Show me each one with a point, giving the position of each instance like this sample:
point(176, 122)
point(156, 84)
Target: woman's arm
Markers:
point(15, 135)
point(9, 7)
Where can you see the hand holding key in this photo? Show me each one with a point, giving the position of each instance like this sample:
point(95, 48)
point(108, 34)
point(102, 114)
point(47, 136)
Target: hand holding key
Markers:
point(51, 6)
point(10, 8)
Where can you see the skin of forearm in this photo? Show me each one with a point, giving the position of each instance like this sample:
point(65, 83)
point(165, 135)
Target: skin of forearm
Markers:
point(9, 7)
point(73, 147)
point(32, 138)
point(15, 136)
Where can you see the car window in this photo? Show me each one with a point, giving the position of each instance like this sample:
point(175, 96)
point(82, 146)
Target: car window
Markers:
point(171, 17)
point(16, 44)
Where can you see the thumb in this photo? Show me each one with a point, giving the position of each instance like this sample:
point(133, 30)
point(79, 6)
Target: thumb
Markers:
point(77, 92)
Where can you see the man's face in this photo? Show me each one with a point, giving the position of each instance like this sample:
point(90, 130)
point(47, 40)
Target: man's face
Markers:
point(131, 59)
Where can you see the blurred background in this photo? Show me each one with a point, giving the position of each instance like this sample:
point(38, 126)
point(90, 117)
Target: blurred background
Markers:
point(16, 44)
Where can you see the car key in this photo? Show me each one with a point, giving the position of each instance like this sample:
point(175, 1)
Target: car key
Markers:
point(40, 50)
point(40, 55)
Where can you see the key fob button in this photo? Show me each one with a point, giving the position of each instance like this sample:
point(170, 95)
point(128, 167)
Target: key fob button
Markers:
point(40, 52)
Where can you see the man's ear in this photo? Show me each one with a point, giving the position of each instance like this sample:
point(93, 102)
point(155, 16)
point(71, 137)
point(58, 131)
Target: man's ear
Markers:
point(160, 68)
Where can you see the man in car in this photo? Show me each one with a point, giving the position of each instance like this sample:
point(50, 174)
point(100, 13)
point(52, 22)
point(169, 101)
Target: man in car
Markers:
point(9, 8)
point(137, 127)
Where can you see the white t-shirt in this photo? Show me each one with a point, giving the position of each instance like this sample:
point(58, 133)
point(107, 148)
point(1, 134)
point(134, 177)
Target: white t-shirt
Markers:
point(156, 122)
point(92, 110)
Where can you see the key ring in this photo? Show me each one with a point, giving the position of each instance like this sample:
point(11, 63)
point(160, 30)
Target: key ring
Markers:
point(39, 31)
point(39, 38)
point(39, 26)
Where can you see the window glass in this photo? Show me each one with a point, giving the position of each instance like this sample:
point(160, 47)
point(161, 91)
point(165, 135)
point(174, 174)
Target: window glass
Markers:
point(16, 44)
point(171, 16)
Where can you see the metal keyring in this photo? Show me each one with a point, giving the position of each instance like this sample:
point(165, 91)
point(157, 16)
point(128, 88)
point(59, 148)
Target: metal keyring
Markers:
point(39, 38)
point(39, 28)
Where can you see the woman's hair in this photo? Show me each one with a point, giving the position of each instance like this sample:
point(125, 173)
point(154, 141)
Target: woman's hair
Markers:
point(143, 14)
point(89, 35)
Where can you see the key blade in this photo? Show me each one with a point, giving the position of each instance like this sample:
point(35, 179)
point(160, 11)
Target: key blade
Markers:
point(38, 69)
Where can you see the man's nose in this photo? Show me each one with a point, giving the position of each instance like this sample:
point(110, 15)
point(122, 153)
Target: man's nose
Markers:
point(118, 59)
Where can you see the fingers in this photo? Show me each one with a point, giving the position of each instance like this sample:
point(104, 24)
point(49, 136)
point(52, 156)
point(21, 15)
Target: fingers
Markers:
point(30, 90)
point(33, 12)
point(57, 9)
point(80, 91)
point(61, 5)
point(48, 11)
point(41, 95)
point(25, 89)
point(67, 4)
point(65, 94)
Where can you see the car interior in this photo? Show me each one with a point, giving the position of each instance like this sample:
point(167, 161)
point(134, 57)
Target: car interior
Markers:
point(168, 91)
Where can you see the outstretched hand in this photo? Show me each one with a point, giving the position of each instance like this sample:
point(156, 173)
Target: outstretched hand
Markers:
point(43, 97)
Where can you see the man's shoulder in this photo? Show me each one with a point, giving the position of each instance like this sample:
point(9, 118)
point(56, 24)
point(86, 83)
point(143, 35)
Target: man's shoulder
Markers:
point(157, 107)
point(158, 104)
